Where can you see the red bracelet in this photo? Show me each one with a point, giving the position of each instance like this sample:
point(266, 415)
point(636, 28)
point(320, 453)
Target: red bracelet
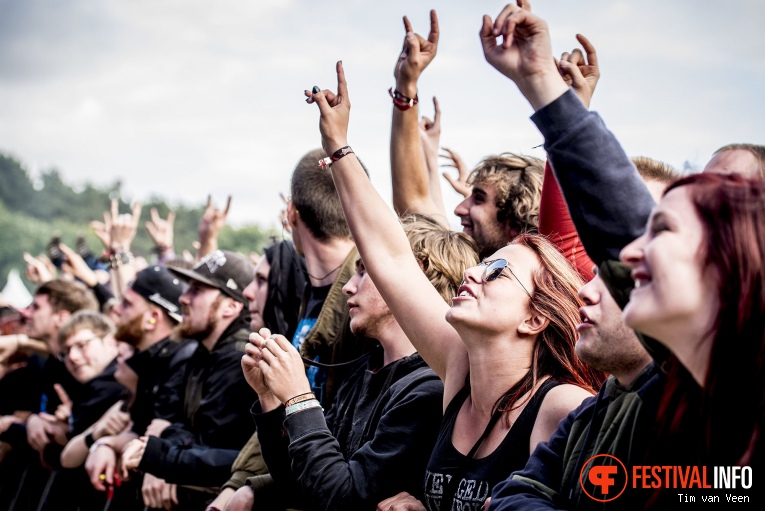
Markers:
point(325, 163)
point(400, 101)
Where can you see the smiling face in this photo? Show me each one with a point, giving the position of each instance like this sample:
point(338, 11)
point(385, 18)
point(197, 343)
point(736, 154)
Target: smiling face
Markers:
point(500, 305)
point(86, 355)
point(40, 319)
point(478, 215)
point(605, 342)
point(257, 294)
point(368, 311)
point(674, 295)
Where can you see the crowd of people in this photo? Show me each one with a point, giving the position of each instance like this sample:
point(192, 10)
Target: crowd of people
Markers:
point(595, 304)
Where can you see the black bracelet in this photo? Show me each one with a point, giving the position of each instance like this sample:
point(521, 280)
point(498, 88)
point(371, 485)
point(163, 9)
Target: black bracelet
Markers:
point(325, 163)
point(89, 440)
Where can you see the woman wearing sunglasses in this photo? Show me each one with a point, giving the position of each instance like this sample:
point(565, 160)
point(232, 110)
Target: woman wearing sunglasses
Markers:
point(504, 349)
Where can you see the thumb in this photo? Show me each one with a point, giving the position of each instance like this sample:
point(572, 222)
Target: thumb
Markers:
point(321, 101)
point(573, 72)
point(62, 395)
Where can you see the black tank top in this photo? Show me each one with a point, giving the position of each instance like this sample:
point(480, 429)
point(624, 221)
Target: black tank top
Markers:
point(477, 477)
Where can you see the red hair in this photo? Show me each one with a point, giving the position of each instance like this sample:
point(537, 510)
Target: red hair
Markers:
point(724, 424)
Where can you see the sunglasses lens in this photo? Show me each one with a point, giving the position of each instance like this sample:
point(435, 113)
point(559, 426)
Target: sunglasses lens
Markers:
point(494, 270)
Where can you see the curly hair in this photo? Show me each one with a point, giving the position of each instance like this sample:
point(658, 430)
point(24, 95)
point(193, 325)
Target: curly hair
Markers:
point(518, 182)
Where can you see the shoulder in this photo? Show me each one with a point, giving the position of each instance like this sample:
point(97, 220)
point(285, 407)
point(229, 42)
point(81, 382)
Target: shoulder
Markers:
point(558, 403)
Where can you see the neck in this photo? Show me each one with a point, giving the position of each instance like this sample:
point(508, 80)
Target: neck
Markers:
point(149, 339)
point(695, 357)
point(211, 340)
point(323, 260)
point(395, 343)
point(495, 366)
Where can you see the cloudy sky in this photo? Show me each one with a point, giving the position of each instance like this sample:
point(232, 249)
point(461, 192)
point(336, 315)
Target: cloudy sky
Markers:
point(182, 98)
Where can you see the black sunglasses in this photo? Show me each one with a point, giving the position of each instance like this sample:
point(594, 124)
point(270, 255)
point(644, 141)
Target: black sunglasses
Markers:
point(495, 268)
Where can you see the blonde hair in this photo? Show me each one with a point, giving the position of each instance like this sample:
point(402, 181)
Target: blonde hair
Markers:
point(443, 254)
point(654, 170)
point(518, 182)
point(96, 322)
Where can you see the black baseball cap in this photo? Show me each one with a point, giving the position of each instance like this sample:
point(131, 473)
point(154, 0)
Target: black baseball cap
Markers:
point(158, 286)
point(226, 271)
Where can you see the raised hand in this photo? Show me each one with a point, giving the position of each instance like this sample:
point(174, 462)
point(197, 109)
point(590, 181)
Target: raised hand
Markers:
point(415, 56)
point(525, 54)
point(430, 130)
point(124, 227)
point(459, 183)
point(213, 221)
point(335, 112)
point(37, 271)
point(580, 73)
point(161, 230)
point(76, 266)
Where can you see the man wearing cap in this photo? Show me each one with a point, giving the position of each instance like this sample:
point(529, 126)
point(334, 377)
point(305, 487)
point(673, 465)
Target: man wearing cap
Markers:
point(145, 317)
point(212, 421)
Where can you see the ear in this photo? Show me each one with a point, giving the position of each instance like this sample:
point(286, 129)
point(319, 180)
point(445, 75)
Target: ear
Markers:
point(292, 214)
point(151, 320)
point(533, 325)
point(60, 317)
point(230, 308)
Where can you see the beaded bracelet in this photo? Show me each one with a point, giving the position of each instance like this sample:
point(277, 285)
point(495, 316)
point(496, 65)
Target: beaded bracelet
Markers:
point(402, 102)
point(299, 407)
point(299, 398)
point(325, 163)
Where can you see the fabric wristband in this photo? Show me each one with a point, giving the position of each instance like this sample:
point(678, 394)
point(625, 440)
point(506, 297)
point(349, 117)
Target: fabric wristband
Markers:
point(299, 398)
point(299, 407)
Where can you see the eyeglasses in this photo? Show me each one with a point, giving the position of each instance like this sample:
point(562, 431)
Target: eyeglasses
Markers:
point(79, 346)
point(495, 268)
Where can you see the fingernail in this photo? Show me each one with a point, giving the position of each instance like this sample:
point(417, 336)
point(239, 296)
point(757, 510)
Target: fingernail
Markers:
point(410, 35)
point(316, 89)
point(307, 100)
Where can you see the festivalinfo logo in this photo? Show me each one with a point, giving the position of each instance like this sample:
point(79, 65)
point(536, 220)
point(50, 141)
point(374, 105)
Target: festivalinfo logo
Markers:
point(604, 478)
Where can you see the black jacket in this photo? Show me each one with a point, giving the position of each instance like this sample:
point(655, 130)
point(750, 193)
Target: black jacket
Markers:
point(374, 443)
point(214, 416)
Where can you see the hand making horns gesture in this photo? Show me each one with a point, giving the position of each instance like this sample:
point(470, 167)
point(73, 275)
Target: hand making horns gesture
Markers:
point(335, 111)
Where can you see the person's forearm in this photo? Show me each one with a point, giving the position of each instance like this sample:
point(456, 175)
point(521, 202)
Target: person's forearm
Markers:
point(76, 450)
point(409, 173)
point(608, 201)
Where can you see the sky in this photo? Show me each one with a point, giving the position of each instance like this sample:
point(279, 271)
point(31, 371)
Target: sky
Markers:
point(185, 98)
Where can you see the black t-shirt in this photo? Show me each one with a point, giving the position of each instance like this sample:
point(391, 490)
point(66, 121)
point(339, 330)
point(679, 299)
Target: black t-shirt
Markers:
point(478, 476)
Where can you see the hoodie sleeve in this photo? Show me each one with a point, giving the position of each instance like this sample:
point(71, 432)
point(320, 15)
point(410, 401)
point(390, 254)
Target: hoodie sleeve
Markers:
point(608, 201)
point(394, 460)
point(191, 465)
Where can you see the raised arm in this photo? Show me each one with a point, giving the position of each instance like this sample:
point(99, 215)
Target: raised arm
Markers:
point(381, 241)
point(411, 190)
point(608, 201)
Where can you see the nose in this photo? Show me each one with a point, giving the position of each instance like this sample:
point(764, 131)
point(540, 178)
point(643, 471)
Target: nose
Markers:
point(473, 274)
point(588, 293)
point(184, 298)
point(249, 291)
point(462, 208)
point(632, 254)
point(350, 287)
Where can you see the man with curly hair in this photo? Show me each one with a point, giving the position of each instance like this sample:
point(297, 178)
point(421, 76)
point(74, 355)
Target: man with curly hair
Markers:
point(504, 200)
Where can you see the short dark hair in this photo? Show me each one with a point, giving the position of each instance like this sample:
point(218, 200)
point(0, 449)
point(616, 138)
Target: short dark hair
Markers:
point(315, 199)
point(68, 295)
